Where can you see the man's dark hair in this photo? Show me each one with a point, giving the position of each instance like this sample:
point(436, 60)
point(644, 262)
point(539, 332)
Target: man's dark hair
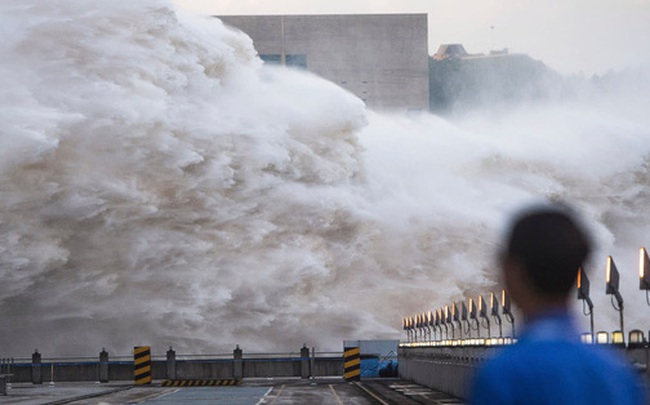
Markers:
point(551, 246)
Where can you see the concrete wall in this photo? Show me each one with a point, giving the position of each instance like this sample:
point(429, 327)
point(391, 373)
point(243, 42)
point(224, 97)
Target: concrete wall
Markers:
point(208, 369)
point(446, 369)
point(383, 59)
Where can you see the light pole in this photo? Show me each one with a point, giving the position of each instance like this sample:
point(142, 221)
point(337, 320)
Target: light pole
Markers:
point(611, 288)
point(482, 312)
point(583, 294)
point(472, 315)
point(494, 311)
point(463, 317)
point(507, 312)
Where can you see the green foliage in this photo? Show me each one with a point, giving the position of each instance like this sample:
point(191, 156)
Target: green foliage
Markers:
point(458, 85)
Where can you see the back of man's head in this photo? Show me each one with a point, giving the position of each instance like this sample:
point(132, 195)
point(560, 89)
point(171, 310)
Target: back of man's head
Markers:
point(551, 246)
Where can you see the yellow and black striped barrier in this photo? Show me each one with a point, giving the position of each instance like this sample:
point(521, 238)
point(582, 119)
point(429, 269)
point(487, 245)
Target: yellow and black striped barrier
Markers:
point(142, 364)
point(352, 363)
point(199, 383)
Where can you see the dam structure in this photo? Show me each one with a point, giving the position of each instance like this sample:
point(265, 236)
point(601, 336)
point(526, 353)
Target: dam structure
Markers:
point(382, 58)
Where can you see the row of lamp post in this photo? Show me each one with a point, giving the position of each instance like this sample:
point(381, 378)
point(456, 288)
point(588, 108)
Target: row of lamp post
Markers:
point(612, 280)
point(441, 325)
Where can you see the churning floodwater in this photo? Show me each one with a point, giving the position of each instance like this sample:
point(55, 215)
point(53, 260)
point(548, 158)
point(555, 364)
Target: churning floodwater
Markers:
point(159, 185)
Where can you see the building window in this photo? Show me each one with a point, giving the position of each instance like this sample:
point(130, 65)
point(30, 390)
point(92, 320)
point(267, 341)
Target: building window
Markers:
point(271, 59)
point(297, 60)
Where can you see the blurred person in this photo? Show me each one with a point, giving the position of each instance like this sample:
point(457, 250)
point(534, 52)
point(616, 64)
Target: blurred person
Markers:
point(548, 364)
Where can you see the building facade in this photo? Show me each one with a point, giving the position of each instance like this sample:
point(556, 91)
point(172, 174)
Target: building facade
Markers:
point(381, 58)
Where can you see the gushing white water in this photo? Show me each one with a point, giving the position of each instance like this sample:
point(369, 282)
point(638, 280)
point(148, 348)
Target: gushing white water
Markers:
point(160, 186)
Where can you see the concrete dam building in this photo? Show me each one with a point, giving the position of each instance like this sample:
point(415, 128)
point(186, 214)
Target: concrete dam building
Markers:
point(382, 59)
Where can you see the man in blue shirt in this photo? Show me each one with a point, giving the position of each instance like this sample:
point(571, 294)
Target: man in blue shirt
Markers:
point(549, 365)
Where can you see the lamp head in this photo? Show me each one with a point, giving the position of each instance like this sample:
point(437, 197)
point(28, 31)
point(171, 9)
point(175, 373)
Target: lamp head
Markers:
point(644, 270)
point(472, 309)
point(463, 311)
point(505, 303)
point(482, 310)
point(583, 285)
point(454, 312)
point(494, 305)
point(611, 277)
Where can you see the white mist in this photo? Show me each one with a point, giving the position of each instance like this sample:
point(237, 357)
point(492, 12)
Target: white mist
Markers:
point(160, 186)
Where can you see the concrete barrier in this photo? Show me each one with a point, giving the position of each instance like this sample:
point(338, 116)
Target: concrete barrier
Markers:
point(173, 367)
point(450, 369)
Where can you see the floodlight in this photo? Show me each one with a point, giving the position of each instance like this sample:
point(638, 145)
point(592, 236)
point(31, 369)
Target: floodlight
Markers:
point(425, 323)
point(436, 322)
point(494, 311)
point(494, 305)
point(602, 338)
point(472, 309)
point(443, 321)
point(505, 303)
point(507, 312)
point(454, 313)
point(472, 315)
point(644, 273)
point(449, 316)
point(612, 279)
point(586, 338)
point(482, 312)
point(464, 315)
point(583, 285)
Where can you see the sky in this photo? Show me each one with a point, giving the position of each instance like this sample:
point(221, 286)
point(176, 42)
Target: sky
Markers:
point(571, 36)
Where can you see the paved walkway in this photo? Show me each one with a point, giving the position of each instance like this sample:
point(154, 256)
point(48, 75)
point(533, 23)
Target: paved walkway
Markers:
point(252, 392)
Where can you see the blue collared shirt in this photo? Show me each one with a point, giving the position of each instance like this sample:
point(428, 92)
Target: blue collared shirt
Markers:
point(549, 365)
